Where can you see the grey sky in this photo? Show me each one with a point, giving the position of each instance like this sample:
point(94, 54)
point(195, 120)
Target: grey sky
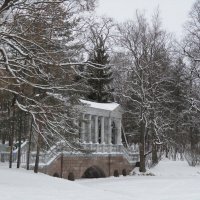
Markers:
point(174, 13)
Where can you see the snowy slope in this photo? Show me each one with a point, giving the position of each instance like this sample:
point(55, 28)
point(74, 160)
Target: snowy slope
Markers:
point(173, 181)
point(175, 168)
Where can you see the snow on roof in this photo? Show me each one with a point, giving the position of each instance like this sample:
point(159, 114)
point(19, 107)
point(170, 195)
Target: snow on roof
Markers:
point(103, 106)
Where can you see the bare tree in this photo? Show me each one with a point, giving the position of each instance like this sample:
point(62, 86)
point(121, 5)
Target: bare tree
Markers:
point(191, 50)
point(37, 54)
point(147, 48)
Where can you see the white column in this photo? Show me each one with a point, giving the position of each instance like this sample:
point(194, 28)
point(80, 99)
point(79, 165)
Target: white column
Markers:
point(119, 134)
point(96, 130)
point(83, 129)
point(109, 130)
point(102, 130)
point(89, 128)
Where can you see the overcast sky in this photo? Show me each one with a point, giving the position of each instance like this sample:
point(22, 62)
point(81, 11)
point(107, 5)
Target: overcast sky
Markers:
point(174, 13)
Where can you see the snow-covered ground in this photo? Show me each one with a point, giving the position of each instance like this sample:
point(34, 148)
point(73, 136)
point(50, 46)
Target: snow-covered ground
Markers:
point(172, 181)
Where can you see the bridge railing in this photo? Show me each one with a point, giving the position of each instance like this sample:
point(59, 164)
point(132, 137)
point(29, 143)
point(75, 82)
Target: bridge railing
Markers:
point(5, 157)
point(45, 157)
point(102, 148)
point(5, 153)
point(131, 154)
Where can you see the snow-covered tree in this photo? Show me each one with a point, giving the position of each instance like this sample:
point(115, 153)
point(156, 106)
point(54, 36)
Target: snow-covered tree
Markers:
point(98, 71)
point(146, 46)
point(190, 45)
point(37, 52)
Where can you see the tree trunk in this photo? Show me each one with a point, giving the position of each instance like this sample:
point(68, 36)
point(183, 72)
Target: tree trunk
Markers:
point(37, 154)
point(29, 146)
point(153, 136)
point(154, 154)
point(61, 165)
point(142, 147)
point(12, 138)
point(166, 151)
point(192, 139)
point(11, 148)
point(37, 158)
point(19, 140)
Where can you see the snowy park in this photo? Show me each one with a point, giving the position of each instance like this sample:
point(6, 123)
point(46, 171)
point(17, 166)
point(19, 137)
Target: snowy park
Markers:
point(99, 100)
point(173, 180)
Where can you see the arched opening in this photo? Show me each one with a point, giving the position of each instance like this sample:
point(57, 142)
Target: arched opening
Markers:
point(124, 172)
point(71, 176)
point(116, 173)
point(56, 175)
point(93, 172)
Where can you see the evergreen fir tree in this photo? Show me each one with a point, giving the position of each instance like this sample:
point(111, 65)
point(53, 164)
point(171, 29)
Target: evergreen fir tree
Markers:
point(99, 74)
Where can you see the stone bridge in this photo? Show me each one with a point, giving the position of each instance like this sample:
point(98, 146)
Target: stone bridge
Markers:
point(78, 166)
point(100, 134)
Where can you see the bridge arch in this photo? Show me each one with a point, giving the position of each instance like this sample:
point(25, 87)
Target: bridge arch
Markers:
point(116, 173)
point(93, 172)
point(71, 176)
point(56, 175)
point(124, 172)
